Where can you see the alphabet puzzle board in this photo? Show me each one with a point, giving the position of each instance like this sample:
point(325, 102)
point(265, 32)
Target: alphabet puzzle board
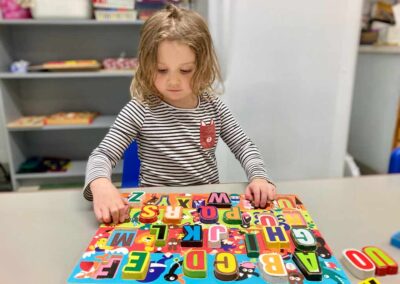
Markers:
point(215, 237)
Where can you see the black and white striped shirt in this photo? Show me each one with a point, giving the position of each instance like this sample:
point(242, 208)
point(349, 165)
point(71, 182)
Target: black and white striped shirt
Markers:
point(176, 146)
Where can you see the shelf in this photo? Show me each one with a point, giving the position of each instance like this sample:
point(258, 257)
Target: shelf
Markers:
point(77, 169)
point(90, 22)
point(103, 121)
point(51, 75)
point(379, 49)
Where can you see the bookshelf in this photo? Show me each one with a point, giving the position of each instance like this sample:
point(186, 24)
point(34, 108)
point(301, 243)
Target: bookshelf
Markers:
point(106, 92)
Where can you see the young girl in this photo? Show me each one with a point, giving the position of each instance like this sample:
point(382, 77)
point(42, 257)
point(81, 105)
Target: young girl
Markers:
point(175, 117)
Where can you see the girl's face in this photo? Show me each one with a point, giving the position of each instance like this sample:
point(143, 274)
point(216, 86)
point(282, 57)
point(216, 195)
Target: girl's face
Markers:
point(176, 63)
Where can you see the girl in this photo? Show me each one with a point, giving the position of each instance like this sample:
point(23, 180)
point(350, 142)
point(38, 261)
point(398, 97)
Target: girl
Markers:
point(175, 117)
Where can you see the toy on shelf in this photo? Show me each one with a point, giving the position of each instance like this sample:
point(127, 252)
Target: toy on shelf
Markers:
point(67, 65)
point(120, 63)
point(208, 238)
point(61, 9)
point(44, 164)
point(114, 10)
point(14, 9)
point(68, 118)
point(33, 121)
point(20, 66)
point(115, 15)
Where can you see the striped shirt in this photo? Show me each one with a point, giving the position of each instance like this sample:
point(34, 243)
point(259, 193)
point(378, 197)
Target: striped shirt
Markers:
point(176, 146)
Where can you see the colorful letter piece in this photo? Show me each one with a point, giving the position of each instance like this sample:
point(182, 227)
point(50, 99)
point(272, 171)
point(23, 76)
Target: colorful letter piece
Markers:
point(268, 219)
point(161, 233)
point(275, 237)
point(195, 264)
point(252, 245)
point(395, 240)
point(371, 280)
point(308, 264)
point(233, 216)
point(193, 236)
point(383, 262)
point(358, 263)
point(208, 214)
point(109, 267)
point(286, 202)
point(136, 197)
point(197, 203)
point(173, 215)
point(226, 266)
point(121, 238)
point(303, 239)
point(149, 214)
point(163, 201)
point(217, 233)
point(137, 266)
point(183, 201)
point(219, 200)
point(272, 268)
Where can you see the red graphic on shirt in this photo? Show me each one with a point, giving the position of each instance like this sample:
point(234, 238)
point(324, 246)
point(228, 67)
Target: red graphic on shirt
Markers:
point(207, 134)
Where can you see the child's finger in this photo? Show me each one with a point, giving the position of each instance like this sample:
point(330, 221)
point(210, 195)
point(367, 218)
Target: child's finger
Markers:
point(115, 214)
point(263, 198)
point(127, 211)
point(99, 217)
point(256, 195)
point(122, 214)
point(272, 194)
point(247, 194)
point(105, 212)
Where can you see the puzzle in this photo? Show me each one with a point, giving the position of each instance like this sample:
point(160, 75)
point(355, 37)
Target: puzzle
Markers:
point(195, 238)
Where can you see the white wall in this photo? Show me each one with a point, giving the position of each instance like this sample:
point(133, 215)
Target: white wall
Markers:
point(289, 69)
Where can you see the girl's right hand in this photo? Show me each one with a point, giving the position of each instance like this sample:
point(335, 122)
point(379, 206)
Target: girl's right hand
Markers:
point(108, 204)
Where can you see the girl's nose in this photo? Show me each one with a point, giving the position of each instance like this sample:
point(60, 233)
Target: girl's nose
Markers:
point(173, 80)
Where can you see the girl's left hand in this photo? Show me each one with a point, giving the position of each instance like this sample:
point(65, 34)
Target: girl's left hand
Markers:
point(260, 191)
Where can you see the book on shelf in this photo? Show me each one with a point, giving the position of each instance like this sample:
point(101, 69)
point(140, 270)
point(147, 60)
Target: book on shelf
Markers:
point(67, 65)
point(32, 121)
point(60, 118)
point(70, 118)
point(115, 15)
point(118, 4)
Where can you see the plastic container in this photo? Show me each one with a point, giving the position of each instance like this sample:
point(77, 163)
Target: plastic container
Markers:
point(394, 165)
point(61, 9)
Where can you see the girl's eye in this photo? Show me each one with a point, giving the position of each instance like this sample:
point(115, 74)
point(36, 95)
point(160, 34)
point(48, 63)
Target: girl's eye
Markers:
point(162, 70)
point(186, 71)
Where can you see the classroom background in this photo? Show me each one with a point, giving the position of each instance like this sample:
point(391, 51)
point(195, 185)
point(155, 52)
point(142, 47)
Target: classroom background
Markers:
point(313, 83)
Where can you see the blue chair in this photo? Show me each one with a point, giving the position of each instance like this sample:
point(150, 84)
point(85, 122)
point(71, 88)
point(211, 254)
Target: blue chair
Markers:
point(131, 167)
point(394, 165)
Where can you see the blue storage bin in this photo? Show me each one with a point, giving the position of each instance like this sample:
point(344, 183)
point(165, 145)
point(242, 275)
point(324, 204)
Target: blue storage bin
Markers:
point(394, 165)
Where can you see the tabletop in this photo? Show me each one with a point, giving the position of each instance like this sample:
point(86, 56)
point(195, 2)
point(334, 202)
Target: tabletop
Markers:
point(43, 234)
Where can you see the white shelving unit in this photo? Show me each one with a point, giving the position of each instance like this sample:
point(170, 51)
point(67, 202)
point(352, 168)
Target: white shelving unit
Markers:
point(375, 104)
point(44, 93)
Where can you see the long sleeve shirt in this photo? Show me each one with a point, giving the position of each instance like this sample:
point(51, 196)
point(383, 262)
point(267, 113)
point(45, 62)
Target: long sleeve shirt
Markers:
point(176, 147)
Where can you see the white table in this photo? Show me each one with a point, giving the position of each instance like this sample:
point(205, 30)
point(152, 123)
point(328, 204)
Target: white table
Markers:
point(43, 234)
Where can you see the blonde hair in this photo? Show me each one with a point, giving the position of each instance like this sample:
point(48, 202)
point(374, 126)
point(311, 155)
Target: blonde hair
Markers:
point(187, 27)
